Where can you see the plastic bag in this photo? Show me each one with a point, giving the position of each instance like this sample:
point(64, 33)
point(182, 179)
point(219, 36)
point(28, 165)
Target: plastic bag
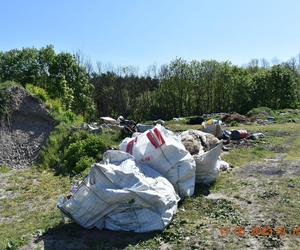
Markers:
point(121, 194)
point(163, 151)
point(207, 169)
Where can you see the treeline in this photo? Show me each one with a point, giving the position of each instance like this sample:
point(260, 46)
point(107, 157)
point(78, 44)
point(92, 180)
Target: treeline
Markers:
point(180, 88)
point(184, 88)
point(59, 74)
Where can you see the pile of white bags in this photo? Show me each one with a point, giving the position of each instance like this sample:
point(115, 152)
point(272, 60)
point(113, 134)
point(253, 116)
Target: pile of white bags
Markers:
point(163, 151)
point(136, 188)
point(121, 194)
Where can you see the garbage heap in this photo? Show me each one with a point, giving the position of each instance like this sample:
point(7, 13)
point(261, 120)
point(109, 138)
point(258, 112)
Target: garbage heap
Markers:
point(137, 188)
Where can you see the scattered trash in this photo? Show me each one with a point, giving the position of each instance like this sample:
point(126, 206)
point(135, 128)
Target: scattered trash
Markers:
point(159, 121)
point(108, 120)
point(142, 127)
point(294, 120)
point(213, 127)
point(234, 117)
point(123, 195)
point(138, 188)
point(92, 127)
point(207, 160)
point(129, 126)
point(238, 134)
point(178, 119)
point(255, 136)
point(226, 135)
point(163, 151)
point(196, 120)
point(223, 165)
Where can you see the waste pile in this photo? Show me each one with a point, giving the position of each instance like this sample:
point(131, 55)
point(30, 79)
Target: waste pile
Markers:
point(163, 151)
point(137, 188)
point(234, 117)
point(123, 195)
point(214, 127)
point(205, 149)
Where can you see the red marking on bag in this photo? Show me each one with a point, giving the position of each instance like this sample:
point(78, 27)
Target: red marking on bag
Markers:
point(152, 140)
point(148, 158)
point(129, 146)
point(159, 136)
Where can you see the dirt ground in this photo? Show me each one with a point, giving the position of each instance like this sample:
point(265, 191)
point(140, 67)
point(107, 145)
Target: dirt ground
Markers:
point(26, 130)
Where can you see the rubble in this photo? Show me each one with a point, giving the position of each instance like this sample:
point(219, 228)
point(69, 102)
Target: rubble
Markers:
point(234, 117)
point(26, 131)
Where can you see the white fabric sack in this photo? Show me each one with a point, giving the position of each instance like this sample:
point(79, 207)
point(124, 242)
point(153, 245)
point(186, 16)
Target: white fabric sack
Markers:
point(163, 151)
point(122, 195)
point(214, 129)
point(207, 167)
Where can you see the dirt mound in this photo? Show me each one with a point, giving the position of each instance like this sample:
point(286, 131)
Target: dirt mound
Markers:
point(234, 117)
point(26, 130)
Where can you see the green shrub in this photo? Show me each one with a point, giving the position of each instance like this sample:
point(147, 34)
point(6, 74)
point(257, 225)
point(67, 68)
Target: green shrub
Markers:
point(5, 99)
point(83, 164)
point(37, 92)
point(78, 153)
point(261, 112)
point(71, 151)
point(4, 169)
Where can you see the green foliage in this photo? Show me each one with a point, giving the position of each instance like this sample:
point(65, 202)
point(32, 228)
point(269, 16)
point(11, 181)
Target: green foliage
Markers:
point(185, 88)
point(180, 88)
point(70, 151)
point(4, 169)
point(84, 151)
point(59, 74)
point(262, 112)
point(37, 92)
point(55, 106)
point(5, 99)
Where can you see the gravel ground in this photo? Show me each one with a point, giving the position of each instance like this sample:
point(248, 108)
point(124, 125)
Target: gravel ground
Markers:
point(26, 132)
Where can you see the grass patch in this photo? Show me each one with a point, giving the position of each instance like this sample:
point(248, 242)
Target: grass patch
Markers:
point(294, 150)
point(194, 224)
point(177, 127)
point(31, 209)
point(261, 112)
point(4, 169)
point(241, 156)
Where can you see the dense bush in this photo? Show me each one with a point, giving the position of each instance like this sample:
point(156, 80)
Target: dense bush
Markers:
point(261, 112)
point(80, 154)
point(70, 151)
point(38, 92)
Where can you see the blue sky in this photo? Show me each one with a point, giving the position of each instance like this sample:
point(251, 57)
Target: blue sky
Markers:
point(143, 32)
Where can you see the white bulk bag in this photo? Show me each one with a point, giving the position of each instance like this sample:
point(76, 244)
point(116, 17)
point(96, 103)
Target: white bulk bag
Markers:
point(207, 168)
point(160, 149)
point(122, 195)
